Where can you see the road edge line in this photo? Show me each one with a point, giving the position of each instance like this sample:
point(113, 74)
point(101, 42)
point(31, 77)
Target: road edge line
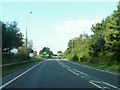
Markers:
point(19, 75)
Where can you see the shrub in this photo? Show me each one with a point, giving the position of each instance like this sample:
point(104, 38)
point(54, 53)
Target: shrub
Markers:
point(83, 59)
point(22, 56)
point(8, 55)
point(75, 58)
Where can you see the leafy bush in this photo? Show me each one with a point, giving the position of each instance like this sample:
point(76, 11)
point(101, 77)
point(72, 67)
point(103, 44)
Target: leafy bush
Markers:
point(75, 58)
point(8, 55)
point(21, 56)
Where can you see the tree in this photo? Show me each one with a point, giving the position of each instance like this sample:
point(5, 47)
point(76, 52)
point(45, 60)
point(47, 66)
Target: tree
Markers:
point(106, 38)
point(46, 52)
point(22, 50)
point(59, 52)
point(75, 58)
point(30, 44)
point(11, 36)
point(104, 44)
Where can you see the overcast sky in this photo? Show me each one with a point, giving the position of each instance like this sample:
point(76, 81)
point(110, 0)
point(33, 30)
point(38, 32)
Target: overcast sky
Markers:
point(53, 24)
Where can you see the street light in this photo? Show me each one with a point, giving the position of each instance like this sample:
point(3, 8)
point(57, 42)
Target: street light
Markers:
point(26, 36)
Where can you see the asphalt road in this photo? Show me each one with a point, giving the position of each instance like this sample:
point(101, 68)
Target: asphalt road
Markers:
point(61, 74)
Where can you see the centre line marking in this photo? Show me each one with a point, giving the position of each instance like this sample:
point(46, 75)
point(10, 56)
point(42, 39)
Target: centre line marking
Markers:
point(111, 85)
point(95, 84)
point(80, 72)
point(73, 72)
point(99, 82)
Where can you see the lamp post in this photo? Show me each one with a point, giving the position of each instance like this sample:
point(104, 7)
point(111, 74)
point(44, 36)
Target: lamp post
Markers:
point(27, 36)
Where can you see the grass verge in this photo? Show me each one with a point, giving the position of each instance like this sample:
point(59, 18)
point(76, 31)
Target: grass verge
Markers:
point(113, 68)
point(6, 70)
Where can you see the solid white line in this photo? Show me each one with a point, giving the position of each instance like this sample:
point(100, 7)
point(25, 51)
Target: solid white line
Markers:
point(19, 76)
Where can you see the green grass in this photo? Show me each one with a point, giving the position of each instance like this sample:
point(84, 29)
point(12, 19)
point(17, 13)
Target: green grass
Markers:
point(113, 68)
point(10, 60)
point(12, 68)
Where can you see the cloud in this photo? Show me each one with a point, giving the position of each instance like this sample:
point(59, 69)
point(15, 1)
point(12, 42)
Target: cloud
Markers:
point(66, 30)
point(73, 28)
point(62, 32)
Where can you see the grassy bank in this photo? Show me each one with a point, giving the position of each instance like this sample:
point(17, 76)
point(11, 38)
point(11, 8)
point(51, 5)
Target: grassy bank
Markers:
point(12, 58)
point(12, 68)
point(112, 68)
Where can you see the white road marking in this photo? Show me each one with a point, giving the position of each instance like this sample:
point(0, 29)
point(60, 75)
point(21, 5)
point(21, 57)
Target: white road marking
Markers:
point(19, 75)
point(95, 84)
point(60, 63)
point(111, 85)
point(80, 72)
point(83, 75)
point(94, 68)
point(92, 81)
point(95, 81)
point(67, 66)
point(73, 72)
point(63, 66)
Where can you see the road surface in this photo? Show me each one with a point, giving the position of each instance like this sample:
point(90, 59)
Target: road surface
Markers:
point(61, 74)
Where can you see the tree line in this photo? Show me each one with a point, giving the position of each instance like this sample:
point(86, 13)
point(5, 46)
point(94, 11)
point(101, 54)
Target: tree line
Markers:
point(103, 47)
point(46, 52)
point(12, 38)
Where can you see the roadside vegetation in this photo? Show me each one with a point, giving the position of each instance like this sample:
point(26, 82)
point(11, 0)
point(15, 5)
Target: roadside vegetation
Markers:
point(46, 53)
point(12, 38)
point(6, 70)
point(100, 50)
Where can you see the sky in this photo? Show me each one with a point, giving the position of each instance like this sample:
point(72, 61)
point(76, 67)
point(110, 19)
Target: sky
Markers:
point(53, 24)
